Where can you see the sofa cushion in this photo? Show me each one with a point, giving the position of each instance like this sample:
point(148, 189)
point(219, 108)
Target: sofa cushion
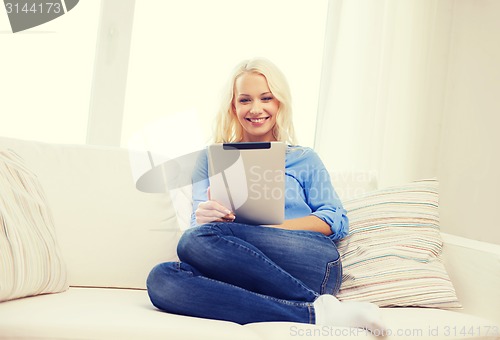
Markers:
point(401, 323)
point(110, 233)
point(30, 260)
point(392, 255)
point(99, 313)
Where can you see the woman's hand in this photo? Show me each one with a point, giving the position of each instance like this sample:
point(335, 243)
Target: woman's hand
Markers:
point(213, 211)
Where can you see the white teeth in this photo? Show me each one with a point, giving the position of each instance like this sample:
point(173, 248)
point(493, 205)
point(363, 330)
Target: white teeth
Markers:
point(257, 120)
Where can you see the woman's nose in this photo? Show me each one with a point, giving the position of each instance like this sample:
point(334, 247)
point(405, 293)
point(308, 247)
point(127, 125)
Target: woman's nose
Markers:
point(255, 109)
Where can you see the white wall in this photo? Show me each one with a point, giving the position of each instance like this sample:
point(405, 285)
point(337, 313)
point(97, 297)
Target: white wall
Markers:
point(469, 157)
point(71, 80)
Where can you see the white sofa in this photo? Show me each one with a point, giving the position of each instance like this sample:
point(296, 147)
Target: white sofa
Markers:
point(111, 235)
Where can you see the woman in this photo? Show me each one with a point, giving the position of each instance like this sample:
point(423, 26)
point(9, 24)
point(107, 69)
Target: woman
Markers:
point(247, 273)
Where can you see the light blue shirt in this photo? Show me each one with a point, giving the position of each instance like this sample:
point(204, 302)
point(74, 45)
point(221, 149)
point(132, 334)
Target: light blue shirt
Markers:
point(308, 190)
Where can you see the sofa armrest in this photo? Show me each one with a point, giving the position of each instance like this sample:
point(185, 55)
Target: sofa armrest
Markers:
point(474, 268)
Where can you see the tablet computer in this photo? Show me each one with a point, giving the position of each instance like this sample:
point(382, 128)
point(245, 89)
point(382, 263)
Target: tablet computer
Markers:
point(249, 179)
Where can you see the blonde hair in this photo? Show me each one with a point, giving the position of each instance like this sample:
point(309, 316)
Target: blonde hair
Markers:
point(228, 128)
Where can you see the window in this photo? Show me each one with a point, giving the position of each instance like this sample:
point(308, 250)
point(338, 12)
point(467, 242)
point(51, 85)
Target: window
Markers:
point(182, 53)
point(46, 75)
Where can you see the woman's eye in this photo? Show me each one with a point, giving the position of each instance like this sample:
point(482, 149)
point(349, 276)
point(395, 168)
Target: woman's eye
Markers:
point(244, 100)
point(266, 99)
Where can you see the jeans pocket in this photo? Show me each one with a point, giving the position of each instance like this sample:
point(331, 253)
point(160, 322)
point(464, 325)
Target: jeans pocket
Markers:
point(333, 278)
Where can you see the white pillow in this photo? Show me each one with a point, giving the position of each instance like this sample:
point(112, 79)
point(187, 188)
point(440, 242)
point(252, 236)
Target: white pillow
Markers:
point(392, 255)
point(30, 259)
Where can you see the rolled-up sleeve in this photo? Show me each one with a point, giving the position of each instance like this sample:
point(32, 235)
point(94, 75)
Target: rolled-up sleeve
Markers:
point(322, 198)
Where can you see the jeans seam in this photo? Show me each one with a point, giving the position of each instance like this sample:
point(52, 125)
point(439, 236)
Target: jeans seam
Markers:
point(340, 277)
point(312, 314)
point(327, 277)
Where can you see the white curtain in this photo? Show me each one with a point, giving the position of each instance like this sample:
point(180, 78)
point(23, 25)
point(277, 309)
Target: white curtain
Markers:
point(382, 91)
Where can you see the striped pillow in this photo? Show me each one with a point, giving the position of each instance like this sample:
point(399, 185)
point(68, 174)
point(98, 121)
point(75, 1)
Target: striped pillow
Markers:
point(392, 255)
point(30, 259)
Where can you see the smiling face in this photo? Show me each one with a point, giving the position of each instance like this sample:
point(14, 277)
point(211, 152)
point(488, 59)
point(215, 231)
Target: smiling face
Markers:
point(255, 107)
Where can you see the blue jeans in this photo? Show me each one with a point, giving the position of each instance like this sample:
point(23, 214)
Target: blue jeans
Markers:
point(242, 273)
